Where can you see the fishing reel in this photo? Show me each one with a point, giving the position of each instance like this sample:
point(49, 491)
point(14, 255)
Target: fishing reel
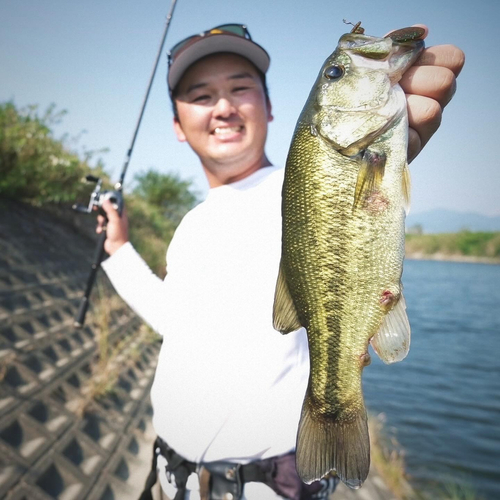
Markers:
point(97, 198)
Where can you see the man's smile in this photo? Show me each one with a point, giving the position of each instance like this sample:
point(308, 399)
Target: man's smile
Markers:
point(226, 131)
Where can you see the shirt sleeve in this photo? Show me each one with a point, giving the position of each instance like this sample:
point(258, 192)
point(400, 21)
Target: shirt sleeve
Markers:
point(136, 284)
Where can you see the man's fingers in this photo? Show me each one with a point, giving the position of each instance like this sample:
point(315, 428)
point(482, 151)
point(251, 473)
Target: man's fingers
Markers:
point(435, 82)
point(414, 144)
point(100, 224)
point(111, 212)
point(424, 115)
point(446, 56)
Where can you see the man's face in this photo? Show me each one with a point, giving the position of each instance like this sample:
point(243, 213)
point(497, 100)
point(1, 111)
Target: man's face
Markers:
point(223, 115)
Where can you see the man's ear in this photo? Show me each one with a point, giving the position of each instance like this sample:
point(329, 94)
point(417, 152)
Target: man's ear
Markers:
point(270, 116)
point(181, 137)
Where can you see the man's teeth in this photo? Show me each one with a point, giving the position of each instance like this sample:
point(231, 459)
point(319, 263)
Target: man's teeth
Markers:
point(227, 130)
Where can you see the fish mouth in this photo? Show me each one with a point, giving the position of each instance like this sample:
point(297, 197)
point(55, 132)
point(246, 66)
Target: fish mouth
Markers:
point(367, 46)
point(404, 54)
point(400, 55)
point(375, 47)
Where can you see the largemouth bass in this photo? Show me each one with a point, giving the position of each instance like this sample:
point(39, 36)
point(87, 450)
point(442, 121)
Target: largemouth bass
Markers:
point(345, 194)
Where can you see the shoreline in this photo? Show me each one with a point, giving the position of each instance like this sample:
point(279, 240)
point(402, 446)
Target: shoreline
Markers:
point(471, 259)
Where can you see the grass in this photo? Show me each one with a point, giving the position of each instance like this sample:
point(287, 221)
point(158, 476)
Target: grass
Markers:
point(112, 355)
point(388, 458)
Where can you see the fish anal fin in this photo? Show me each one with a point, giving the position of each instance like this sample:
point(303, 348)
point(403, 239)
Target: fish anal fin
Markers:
point(324, 445)
point(370, 175)
point(285, 318)
point(406, 189)
point(392, 341)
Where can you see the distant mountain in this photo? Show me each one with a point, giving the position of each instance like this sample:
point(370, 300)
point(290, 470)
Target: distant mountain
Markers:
point(447, 221)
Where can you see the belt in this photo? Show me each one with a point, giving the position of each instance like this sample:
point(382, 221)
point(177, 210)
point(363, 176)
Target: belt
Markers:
point(216, 478)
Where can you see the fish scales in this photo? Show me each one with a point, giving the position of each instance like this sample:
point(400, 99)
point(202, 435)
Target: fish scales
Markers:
point(333, 286)
point(343, 208)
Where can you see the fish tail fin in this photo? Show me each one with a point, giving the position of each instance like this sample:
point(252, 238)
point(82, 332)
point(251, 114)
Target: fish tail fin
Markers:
point(325, 445)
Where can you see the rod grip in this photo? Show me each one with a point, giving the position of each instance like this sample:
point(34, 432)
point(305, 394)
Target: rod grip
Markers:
point(96, 262)
point(82, 311)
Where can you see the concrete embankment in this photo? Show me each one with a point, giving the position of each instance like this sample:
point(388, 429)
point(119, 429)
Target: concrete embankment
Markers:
point(75, 417)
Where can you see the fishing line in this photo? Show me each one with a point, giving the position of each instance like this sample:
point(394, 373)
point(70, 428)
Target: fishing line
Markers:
point(98, 197)
point(119, 184)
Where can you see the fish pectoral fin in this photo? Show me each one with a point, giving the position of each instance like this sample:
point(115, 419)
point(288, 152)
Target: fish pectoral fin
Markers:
point(325, 444)
point(285, 318)
point(392, 341)
point(370, 175)
point(406, 188)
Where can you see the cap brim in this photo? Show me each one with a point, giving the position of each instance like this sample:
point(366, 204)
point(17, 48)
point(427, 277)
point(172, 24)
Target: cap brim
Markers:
point(211, 44)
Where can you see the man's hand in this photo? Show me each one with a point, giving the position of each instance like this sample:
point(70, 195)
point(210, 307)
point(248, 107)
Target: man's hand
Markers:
point(429, 86)
point(116, 227)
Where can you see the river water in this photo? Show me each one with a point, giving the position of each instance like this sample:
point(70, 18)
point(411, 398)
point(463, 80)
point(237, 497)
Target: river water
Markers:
point(442, 403)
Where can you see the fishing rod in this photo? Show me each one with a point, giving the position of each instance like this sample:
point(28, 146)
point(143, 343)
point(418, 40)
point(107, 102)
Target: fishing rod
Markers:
point(115, 196)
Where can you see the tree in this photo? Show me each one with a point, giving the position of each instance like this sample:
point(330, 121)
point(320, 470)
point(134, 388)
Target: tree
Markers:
point(168, 192)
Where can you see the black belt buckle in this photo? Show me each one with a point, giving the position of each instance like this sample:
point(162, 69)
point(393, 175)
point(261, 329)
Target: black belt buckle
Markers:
point(225, 481)
point(233, 473)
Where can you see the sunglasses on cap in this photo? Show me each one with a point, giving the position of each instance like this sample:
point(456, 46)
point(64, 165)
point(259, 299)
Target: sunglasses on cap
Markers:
point(239, 30)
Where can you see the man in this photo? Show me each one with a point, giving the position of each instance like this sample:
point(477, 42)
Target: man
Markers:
point(228, 388)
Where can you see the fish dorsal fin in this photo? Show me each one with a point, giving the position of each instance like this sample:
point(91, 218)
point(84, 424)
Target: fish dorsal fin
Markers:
point(370, 175)
point(285, 318)
point(406, 188)
point(392, 341)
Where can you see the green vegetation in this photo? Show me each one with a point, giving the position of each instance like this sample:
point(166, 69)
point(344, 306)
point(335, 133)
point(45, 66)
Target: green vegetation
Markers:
point(37, 168)
point(169, 193)
point(463, 243)
point(34, 165)
point(387, 457)
point(155, 208)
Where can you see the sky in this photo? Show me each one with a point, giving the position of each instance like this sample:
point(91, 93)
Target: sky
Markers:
point(93, 58)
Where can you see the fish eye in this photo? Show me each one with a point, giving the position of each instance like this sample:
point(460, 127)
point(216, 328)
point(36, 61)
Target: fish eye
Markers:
point(334, 72)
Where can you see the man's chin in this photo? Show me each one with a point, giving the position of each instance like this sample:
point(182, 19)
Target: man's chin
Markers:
point(229, 153)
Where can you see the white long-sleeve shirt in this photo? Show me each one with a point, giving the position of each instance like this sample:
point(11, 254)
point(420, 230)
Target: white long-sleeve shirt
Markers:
point(227, 386)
